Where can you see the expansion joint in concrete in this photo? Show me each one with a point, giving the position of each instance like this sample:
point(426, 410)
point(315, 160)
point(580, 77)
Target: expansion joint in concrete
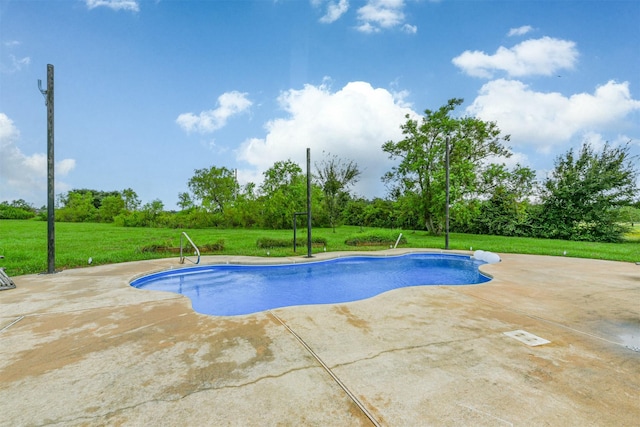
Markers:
point(355, 400)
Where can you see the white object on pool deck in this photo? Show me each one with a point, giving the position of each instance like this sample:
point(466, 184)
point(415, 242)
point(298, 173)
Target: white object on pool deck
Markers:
point(488, 257)
point(527, 338)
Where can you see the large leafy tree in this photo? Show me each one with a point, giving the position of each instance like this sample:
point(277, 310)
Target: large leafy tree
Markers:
point(282, 193)
point(506, 208)
point(214, 187)
point(420, 175)
point(581, 196)
point(335, 177)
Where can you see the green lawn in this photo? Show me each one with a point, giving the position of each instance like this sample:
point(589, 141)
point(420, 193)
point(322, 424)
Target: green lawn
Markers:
point(24, 244)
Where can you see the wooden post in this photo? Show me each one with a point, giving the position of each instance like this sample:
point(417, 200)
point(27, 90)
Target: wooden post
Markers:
point(51, 232)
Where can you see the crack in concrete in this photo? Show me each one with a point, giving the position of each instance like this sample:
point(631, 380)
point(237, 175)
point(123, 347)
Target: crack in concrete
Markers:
point(121, 410)
point(400, 349)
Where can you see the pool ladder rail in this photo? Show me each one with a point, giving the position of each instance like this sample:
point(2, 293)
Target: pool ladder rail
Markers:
point(5, 281)
point(197, 251)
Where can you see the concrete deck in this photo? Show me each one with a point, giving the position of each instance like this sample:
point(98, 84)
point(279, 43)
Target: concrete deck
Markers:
point(81, 347)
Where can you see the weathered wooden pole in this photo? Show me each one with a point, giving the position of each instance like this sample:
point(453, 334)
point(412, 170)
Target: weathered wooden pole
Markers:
point(51, 232)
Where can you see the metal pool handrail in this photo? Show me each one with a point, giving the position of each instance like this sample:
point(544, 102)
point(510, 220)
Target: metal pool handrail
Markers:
point(197, 251)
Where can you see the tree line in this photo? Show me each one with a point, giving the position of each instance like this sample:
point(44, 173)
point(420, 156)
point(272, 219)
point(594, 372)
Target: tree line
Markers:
point(589, 195)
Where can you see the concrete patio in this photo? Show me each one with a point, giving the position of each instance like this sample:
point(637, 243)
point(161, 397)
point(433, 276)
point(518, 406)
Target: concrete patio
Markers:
point(81, 347)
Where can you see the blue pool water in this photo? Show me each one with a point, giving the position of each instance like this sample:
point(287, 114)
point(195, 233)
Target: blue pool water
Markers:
point(227, 290)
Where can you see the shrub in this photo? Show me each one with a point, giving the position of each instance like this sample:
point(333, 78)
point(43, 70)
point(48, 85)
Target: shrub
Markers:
point(12, 212)
point(269, 242)
point(212, 247)
point(375, 239)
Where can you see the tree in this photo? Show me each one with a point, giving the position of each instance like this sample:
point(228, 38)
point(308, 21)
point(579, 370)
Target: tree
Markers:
point(184, 201)
point(131, 200)
point(506, 211)
point(581, 197)
point(79, 207)
point(17, 209)
point(281, 175)
point(421, 170)
point(282, 193)
point(110, 207)
point(214, 187)
point(96, 196)
point(335, 177)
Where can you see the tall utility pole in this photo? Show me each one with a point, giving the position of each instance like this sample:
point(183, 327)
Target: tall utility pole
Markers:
point(308, 202)
point(51, 232)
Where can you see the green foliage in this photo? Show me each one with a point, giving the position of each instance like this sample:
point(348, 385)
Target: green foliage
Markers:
point(420, 175)
point(95, 196)
point(376, 213)
point(335, 178)
point(169, 247)
point(110, 207)
point(375, 238)
point(282, 193)
point(272, 242)
point(85, 205)
point(24, 244)
point(503, 214)
point(79, 206)
point(17, 209)
point(151, 215)
point(215, 188)
point(216, 246)
point(629, 214)
point(581, 197)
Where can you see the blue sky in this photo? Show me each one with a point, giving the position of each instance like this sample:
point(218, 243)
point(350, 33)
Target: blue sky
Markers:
point(148, 91)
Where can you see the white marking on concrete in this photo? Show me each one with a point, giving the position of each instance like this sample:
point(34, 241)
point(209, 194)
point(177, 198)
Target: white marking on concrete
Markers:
point(527, 338)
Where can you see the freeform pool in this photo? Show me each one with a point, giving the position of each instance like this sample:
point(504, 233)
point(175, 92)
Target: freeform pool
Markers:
point(228, 290)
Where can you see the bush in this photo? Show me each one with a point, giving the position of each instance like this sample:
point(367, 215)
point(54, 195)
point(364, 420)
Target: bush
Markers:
point(170, 248)
point(12, 212)
point(269, 242)
point(375, 239)
point(212, 247)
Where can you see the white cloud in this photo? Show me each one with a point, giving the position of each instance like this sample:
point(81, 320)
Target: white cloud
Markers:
point(229, 104)
point(520, 31)
point(15, 64)
point(22, 176)
point(351, 123)
point(131, 5)
point(379, 15)
point(409, 29)
point(546, 119)
point(335, 9)
point(544, 56)
point(10, 63)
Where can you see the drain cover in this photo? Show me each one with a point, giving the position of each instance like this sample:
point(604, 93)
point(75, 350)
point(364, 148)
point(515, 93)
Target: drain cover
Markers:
point(527, 338)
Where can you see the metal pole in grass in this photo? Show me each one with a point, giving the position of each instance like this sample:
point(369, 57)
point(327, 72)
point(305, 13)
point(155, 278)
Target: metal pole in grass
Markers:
point(51, 232)
point(446, 206)
point(309, 203)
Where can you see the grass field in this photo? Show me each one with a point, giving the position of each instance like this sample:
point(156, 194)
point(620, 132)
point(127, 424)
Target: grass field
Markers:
point(24, 244)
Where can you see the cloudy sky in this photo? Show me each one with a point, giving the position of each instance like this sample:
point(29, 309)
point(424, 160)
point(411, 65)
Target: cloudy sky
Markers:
point(147, 91)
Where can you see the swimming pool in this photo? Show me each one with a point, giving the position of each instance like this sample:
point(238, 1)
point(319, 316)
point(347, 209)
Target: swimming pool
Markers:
point(228, 290)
